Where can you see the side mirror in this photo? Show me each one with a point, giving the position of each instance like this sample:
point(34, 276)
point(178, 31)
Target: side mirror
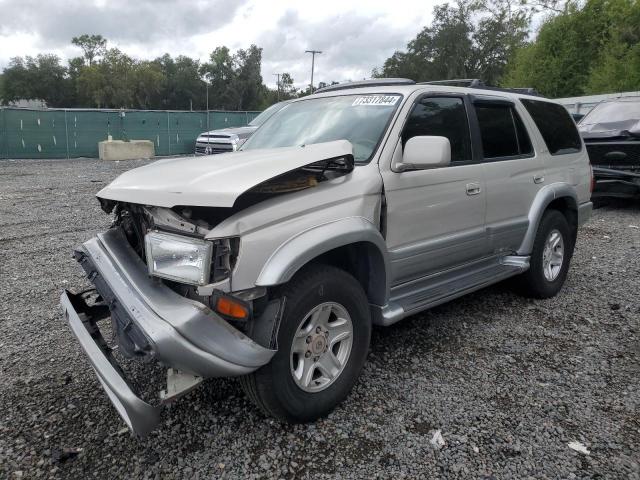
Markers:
point(425, 152)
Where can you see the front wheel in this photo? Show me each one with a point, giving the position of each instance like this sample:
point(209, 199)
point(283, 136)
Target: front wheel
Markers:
point(552, 252)
point(322, 346)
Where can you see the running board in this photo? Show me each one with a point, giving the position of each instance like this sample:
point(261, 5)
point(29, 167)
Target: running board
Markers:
point(427, 292)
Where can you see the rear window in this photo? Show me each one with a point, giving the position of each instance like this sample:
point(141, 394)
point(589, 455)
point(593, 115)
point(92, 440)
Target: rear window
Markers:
point(556, 126)
point(502, 132)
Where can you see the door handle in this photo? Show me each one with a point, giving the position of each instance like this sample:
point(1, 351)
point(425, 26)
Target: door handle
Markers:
point(473, 188)
point(539, 178)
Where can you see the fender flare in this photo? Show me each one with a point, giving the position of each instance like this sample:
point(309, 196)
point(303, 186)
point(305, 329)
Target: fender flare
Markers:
point(304, 247)
point(544, 197)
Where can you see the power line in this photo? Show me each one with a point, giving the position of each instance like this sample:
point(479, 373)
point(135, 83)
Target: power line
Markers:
point(313, 61)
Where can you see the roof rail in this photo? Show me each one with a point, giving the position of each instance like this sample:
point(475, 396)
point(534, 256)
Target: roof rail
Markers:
point(374, 82)
point(457, 82)
point(477, 83)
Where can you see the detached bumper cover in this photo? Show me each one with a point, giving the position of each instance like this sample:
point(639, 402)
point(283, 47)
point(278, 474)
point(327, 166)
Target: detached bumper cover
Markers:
point(616, 183)
point(179, 332)
point(140, 416)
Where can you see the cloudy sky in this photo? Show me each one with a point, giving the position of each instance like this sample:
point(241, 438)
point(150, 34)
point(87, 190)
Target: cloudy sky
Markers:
point(354, 35)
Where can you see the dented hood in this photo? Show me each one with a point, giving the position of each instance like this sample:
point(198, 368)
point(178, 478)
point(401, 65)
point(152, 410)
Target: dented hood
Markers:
point(214, 181)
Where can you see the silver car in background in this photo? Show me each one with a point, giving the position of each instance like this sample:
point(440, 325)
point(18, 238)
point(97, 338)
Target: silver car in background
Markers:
point(230, 139)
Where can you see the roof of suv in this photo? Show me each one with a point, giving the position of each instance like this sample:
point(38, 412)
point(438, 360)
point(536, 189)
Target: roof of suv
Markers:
point(409, 89)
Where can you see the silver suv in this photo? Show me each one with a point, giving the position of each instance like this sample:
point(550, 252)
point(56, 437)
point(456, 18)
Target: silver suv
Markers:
point(357, 206)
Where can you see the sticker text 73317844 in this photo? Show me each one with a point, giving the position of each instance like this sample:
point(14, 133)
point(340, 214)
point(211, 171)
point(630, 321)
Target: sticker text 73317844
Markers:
point(379, 100)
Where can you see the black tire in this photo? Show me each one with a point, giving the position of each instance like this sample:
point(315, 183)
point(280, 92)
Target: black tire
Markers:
point(272, 387)
point(533, 282)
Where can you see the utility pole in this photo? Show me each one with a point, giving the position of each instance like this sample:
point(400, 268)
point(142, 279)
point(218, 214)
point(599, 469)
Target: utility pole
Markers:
point(278, 75)
point(313, 61)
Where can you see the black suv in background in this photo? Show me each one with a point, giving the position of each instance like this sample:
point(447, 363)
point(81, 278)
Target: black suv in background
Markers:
point(611, 132)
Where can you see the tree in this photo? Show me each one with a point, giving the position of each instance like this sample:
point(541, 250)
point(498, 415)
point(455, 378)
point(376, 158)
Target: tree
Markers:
point(183, 87)
point(618, 66)
point(92, 46)
point(147, 83)
point(91, 86)
point(42, 78)
point(109, 78)
point(219, 74)
point(248, 88)
point(590, 48)
point(287, 88)
point(471, 39)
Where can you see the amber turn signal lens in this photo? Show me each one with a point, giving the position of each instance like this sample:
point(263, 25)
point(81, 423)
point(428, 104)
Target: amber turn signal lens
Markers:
point(231, 308)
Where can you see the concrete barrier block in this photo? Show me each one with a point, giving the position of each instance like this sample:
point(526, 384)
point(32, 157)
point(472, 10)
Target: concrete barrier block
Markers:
point(121, 150)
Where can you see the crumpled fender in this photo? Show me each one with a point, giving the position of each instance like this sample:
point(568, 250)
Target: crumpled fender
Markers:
point(307, 245)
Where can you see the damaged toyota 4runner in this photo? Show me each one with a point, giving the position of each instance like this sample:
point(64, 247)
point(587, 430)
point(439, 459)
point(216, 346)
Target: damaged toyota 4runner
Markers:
point(356, 206)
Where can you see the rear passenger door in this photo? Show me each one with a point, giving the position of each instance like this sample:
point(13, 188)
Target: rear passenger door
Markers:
point(514, 172)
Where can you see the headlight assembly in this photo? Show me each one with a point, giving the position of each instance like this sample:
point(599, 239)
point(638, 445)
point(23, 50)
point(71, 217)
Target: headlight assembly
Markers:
point(177, 257)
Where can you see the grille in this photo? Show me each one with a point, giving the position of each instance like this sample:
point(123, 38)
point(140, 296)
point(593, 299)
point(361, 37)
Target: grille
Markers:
point(206, 135)
point(213, 148)
point(598, 154)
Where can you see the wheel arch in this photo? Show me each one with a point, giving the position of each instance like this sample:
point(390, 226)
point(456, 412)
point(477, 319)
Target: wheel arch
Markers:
point(557, 196)
point(353, 244)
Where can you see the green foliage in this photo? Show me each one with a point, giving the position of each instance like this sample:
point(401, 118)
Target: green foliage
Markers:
point(585, 49)
point(618, 65)
point(234, 80)
point(471, 39)
point(183, 88)
point(41, 77)
point(109, 78)
point(92, 46)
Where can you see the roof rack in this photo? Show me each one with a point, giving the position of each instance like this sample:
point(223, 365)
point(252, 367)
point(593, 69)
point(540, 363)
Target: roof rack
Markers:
point(375, 82)
point(477, 83)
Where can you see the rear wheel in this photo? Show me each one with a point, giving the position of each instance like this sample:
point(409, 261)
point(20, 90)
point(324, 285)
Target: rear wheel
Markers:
point(552, 252)
point(322, 343)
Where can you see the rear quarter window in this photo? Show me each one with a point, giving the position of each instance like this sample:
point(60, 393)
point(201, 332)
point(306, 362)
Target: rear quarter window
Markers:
point(556, 126)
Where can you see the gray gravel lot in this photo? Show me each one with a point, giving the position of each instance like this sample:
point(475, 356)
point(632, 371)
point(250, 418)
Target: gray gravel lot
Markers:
point(510, 382)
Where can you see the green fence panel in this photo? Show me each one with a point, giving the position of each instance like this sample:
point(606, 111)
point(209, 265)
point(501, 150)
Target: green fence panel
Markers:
point(76, 133)
point(3, 135)
point(144, 125)
point(184, 128)
point(35, 134)
point(87, 128)
point(229, 119)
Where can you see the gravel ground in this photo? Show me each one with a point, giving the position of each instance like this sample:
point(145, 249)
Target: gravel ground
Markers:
point(509, 382)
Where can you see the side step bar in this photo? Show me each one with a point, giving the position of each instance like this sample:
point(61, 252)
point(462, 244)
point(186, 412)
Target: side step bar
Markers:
point(427, 292)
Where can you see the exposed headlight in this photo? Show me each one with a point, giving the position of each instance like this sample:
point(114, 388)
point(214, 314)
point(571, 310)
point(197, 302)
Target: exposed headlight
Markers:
point(179, 258)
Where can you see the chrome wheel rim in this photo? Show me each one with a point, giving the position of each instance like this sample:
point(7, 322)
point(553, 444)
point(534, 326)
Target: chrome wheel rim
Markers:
point(553, 255)
point(321, 347)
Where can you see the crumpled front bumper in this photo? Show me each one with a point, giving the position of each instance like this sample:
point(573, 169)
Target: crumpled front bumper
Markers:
point(180, 333)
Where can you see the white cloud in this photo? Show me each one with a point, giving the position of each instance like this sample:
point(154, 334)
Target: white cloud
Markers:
point(355, 36)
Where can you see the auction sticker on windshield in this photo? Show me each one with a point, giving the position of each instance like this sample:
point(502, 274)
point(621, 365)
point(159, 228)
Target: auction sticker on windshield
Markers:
point(382, 100)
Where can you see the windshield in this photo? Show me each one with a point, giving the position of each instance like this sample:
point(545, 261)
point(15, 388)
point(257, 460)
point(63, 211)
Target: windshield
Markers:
point(360, 119)
point(608, 112)
point(265, 115)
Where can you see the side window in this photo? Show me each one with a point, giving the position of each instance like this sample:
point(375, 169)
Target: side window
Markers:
point(442, 117)
point(502, 131)
point(556, 126)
